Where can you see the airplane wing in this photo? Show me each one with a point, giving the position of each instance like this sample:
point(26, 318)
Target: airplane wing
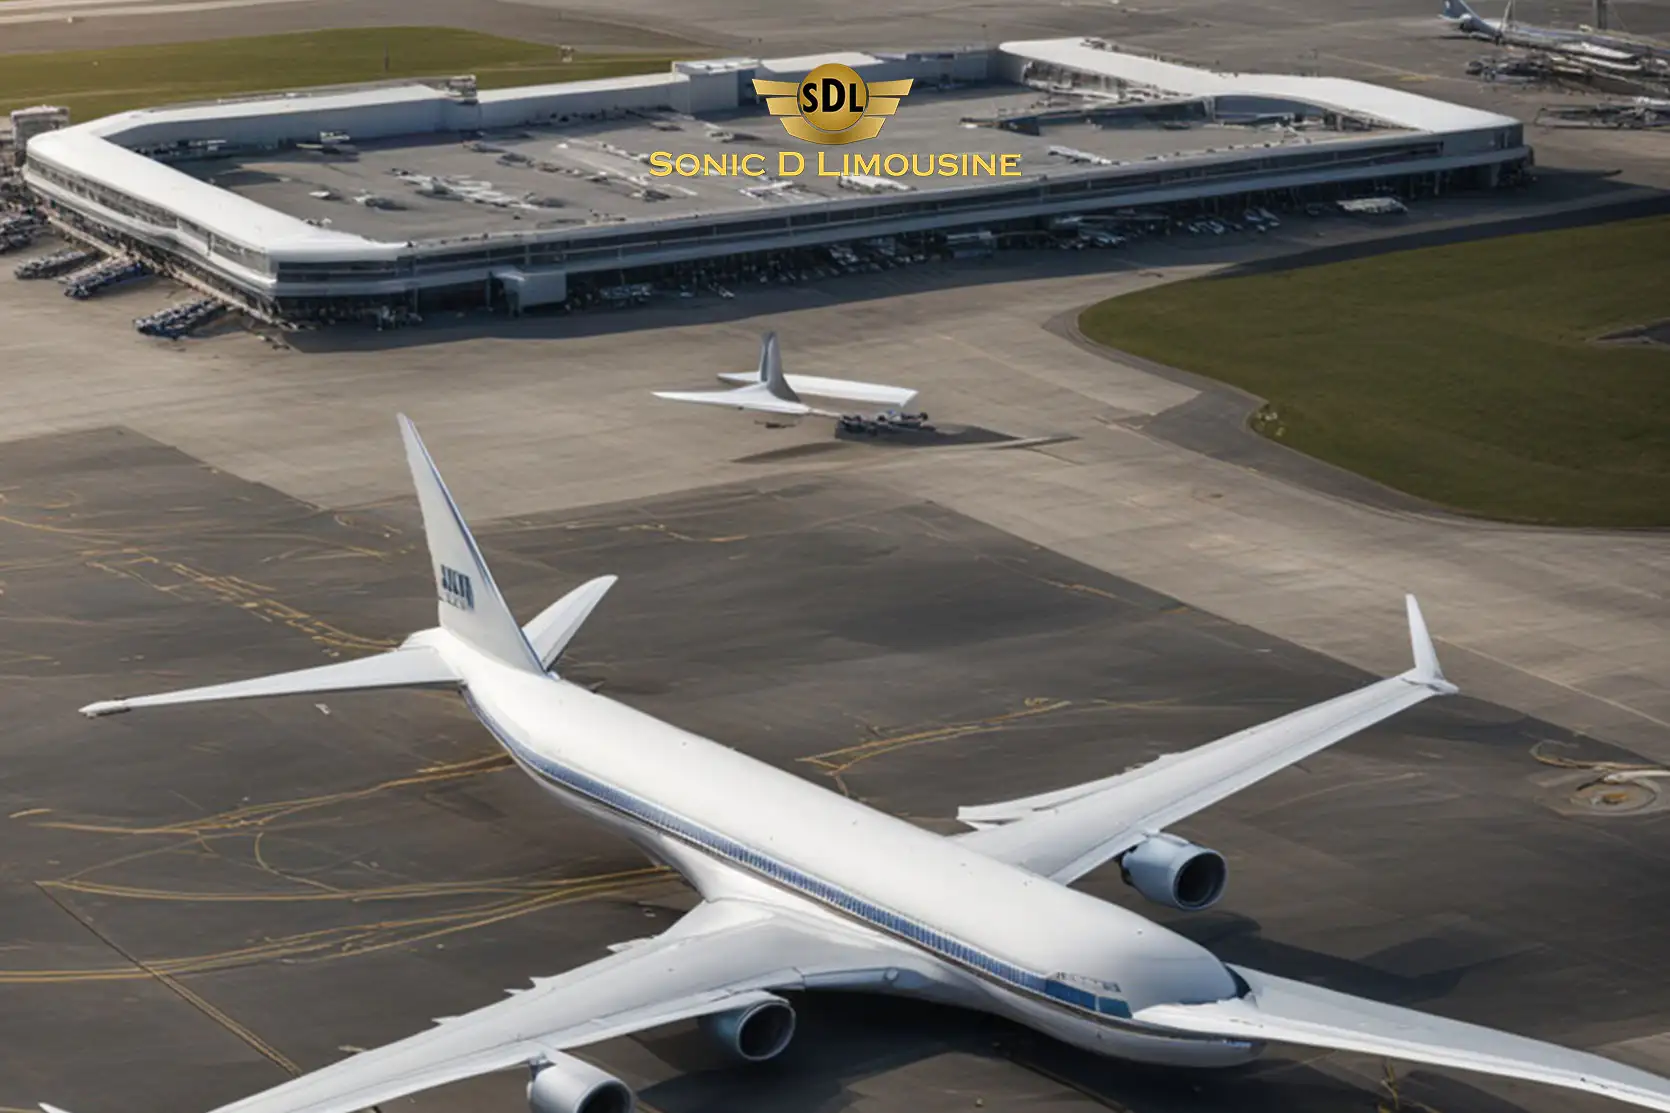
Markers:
point(1282, 1011)
point(756, 398)
point(1064, 835)
point(724, 955)
point(846, 390)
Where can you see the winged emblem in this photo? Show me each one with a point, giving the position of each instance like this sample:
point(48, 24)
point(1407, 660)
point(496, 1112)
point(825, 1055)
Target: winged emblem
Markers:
point(880, 99)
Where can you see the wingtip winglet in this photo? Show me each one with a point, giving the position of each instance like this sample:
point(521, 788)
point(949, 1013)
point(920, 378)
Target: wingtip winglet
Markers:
point(50, 1108)
point(1427, 670)
point(98, 710)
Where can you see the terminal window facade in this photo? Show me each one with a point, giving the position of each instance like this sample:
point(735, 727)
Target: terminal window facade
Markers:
point(154, 215)
point(324, 272)
point(114, 200)
point(238, 253)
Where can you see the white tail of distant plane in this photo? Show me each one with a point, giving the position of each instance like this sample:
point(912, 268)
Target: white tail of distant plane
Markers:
point(769, 393)
point(1466, 19)
point(771, 390)
point(469, 609)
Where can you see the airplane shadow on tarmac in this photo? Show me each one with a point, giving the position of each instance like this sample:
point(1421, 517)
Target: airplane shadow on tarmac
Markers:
point(943, 436)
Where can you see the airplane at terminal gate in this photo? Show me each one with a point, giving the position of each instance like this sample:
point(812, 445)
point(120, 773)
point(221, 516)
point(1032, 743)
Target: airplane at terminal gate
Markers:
point(805, 889)
point(1606, 50)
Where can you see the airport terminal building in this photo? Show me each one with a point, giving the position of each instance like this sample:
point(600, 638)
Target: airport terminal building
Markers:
point(335, 202)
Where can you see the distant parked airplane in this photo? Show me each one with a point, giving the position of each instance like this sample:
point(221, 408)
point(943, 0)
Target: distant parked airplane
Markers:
point(769, 390)
point(1605, 49)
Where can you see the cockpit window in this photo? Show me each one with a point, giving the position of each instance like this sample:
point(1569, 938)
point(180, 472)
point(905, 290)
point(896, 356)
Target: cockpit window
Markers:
point(1113, 1006)
point(1090, 994)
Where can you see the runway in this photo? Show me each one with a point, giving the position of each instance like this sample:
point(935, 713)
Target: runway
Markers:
point(215, 897)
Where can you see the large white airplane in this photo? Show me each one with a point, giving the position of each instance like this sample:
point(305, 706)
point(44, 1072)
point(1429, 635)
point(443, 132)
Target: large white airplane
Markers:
point(770, 390)
point(805, 889)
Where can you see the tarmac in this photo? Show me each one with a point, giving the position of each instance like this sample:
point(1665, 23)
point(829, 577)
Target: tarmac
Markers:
point(1091, 570)
point(206, 900)
point(556, 413)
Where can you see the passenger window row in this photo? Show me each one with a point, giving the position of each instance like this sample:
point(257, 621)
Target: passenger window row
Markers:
point(820, 890)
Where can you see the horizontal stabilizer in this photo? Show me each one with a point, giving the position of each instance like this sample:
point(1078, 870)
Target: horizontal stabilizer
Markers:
point(757, 398)
point(845, 390)
point(413, 667)
point(1281, 1011)
point(550, 633)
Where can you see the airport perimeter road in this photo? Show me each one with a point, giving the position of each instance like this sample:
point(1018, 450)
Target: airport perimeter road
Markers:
point(557, 414)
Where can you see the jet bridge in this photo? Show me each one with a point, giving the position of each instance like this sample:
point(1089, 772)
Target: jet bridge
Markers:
point(528, 289)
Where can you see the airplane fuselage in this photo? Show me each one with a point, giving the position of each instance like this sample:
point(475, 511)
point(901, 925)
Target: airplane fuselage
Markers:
point(1590, 44)
point(986, 935)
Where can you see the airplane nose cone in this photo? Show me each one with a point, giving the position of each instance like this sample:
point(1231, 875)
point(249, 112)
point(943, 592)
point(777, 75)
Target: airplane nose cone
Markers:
point(1173, 970)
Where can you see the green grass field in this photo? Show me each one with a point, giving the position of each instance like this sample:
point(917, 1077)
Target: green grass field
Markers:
point(1469, 375)
point(98, 82)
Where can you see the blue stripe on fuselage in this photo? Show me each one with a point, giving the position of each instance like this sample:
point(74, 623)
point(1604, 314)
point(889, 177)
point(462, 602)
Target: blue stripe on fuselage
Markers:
point(573, 780)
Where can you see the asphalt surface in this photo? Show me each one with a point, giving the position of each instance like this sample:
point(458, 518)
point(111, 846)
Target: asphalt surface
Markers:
point(200, 901)
point(215, 896)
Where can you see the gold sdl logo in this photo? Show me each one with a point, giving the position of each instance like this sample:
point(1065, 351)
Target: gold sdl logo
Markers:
point(832, 104)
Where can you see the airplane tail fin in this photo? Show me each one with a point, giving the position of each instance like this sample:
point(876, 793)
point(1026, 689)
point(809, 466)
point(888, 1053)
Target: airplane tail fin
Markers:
point(771, 358)
point(1457, 10)
point(470, 607)
point(775, 381)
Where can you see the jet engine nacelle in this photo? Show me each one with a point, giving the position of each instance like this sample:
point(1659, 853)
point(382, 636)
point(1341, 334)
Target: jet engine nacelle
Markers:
point(1175, 872)
point(755, 1032)
point(568, 1085)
